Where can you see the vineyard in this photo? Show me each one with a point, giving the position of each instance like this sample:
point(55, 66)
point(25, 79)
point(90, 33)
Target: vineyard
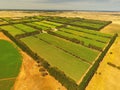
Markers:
point(69, 48)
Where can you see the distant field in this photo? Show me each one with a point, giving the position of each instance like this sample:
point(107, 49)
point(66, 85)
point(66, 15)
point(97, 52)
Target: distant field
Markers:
point(24, 28)
point(10, 63)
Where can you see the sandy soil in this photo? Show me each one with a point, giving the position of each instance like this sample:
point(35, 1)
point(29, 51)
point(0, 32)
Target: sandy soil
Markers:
point(30, 78)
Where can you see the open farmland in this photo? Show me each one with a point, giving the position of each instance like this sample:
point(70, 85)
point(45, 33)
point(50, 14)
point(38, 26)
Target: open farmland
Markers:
point(10, 63)
point(63, 45)
point(24, 28)
point(12, 30)
point(57, 58)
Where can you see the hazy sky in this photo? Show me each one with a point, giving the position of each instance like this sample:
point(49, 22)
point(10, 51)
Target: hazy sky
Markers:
point(61, 4)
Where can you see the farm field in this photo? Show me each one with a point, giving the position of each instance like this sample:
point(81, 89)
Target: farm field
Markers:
point(10, 64)
point(12, 30)
point(84, 39)
point(63, 45)
point(24, 28)
point(70, 47)
point(38, 26)
point(59, 58)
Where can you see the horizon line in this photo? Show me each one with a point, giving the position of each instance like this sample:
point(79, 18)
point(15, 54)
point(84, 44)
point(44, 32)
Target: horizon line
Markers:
point(57, 10)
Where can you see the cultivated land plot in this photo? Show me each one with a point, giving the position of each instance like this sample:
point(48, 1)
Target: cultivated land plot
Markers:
point(89, 31)
point(38, 26)
point(52, 23)
point(45, 24)
point(12, 30)
point(57, 58)
point(87, 24)
point(10, 63)
point(84, 34)
point(70, 47)
point(85, 40)
point(24, 28)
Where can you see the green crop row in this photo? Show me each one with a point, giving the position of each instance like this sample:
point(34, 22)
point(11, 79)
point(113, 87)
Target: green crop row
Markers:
point(89, 31)
point(24, 27)
point(86, 35)
point(38, 26)
point(87, 25)
point(45, 24)
point(57, 58)
point(52, 23)
point(87, 54)
point(12, 30)
point(86, 42)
